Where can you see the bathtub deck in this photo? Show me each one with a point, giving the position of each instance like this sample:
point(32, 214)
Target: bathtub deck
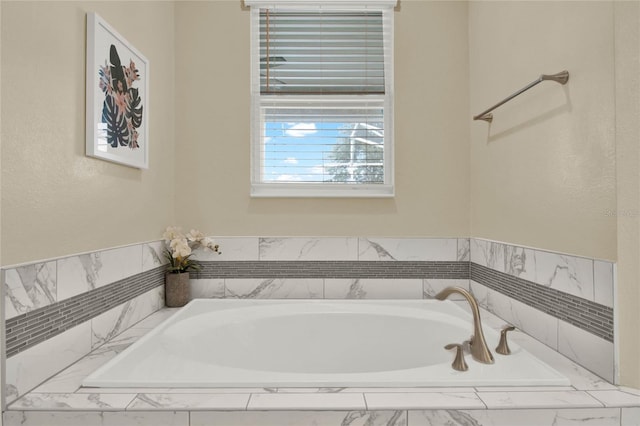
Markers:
point(62, 401)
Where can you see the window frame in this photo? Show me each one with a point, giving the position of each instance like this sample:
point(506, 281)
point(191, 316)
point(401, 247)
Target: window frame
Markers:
point(259, 101)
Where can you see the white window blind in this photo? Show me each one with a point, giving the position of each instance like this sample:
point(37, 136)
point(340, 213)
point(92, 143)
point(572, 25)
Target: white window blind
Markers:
point(322, 103)
point(321, 52)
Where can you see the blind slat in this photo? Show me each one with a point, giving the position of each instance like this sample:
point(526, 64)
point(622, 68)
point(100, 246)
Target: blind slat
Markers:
point(309, 52)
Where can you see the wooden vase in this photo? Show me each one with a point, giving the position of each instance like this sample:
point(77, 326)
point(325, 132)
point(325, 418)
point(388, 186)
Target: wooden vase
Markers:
point(176, 289)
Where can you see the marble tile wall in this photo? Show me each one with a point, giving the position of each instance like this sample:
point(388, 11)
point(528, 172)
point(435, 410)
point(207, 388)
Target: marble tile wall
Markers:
point(36, 326)
point(567, 303)
point(57, 311)
point(37, 285)
point(340, 267)
point(311, 268)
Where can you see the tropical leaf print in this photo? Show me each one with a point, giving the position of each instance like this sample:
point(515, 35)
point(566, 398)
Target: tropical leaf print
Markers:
point(134, 108)
point(117, 130)
point(122, 109)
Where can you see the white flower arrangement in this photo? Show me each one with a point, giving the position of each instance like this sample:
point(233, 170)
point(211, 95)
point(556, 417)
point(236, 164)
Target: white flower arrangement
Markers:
point(180, 248)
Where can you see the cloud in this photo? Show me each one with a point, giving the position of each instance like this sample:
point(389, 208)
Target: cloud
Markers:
point(300, 130)
point(290, 160)
point(318, 170)
point(288, 178)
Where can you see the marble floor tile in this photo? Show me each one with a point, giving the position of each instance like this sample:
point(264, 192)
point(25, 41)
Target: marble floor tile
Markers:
point(300, 418)
point(558, 399)
point(72, 401)
point(630, 417)
point(52, 418)
point(524, 388)
point(146, 418)
point(95, 418)
point(411, 390)
point(174, 390)
point(612, 398)
point(422, 401)
point(307, 401)
point(201, 401)
point(537, 417)
point(303, 390)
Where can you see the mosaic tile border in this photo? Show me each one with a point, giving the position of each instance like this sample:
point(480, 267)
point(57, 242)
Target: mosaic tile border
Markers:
point(334, 269)
point(36, 326)
point(587, 315)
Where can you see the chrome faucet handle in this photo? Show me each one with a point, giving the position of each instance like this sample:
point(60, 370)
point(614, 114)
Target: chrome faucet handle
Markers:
point(503, 346)
point(459, 363)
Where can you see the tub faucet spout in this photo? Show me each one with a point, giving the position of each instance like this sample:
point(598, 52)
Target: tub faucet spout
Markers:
point(479, 350)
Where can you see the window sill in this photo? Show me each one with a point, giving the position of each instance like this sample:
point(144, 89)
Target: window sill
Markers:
point(279, 190)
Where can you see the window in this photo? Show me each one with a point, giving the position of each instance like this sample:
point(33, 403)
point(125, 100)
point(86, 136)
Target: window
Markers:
point(322, 100)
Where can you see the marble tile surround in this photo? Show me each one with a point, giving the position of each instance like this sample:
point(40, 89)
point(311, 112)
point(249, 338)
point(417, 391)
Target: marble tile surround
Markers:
point(29, 368)
point(588, 401)
point(338, 249)
point(29, 287)
point(36, 285)
point(590, 279)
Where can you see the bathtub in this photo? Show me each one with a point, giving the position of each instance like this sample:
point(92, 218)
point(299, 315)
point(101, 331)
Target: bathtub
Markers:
point(315, 343)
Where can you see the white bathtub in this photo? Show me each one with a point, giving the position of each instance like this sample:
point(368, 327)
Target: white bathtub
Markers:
point(315, 343)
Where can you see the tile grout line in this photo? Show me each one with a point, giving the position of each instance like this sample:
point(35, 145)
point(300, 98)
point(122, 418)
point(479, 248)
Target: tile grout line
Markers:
point(135, 396)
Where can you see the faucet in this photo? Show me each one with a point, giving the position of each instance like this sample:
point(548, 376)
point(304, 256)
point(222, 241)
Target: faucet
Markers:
point(479, 350)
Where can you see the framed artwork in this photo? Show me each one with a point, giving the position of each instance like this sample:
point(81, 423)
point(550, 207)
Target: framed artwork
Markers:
point(117, 97)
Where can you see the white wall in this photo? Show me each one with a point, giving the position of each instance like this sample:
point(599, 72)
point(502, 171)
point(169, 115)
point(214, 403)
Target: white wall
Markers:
point(55, 200)
point(1, 275)
point(627, 42)
point(543, 173)
point(558, 168)
point(431, 148)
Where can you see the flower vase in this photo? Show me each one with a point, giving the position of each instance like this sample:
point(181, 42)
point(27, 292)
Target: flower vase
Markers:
point(176, 289)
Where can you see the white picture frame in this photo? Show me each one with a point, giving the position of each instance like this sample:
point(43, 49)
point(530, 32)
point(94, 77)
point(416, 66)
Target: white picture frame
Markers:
point(117, 97)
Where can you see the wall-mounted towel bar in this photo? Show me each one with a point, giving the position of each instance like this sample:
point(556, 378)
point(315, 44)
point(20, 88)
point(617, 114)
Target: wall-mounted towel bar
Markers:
point(562, 77)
